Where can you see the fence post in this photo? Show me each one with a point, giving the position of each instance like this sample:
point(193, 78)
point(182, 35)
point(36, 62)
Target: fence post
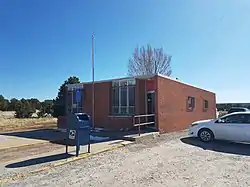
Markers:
point(139, 128)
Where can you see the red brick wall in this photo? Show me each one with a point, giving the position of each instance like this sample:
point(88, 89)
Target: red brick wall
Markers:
point(171, 105)
point(102, 107)
point(102, 102)
point(140, 100)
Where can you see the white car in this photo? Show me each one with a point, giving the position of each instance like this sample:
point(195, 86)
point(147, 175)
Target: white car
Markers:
point(232, 127)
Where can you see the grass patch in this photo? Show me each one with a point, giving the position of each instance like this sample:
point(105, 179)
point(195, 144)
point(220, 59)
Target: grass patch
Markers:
point(13, 124)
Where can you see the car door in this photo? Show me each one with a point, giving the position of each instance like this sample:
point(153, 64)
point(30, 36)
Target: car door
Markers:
point(247, 127)
point(232, 128)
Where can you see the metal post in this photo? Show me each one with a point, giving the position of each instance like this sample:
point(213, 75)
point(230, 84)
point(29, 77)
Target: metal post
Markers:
point(66, 114)
point(133, 121)
point(77, 141)
point(93, 83)
point(93, 92)
point(89, 140)
point(139, 128)
point(67, 142)
point(146, 97)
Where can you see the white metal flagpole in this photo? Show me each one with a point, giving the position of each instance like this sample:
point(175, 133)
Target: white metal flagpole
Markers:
point(93, 83)
point(93, 93)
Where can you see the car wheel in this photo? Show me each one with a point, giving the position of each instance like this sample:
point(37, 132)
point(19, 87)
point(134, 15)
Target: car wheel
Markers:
point(206, 135)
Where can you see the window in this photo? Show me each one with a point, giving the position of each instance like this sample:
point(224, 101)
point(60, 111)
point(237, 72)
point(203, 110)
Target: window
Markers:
point(83, 117)
point(232, 119)
point(72, 98)
point(190, 104)
point(237, 110)
point(205, 105)
point(123, 97)
point(247, 118)
point(235, 118)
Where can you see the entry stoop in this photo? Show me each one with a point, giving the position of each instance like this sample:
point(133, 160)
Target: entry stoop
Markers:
point(143, 136)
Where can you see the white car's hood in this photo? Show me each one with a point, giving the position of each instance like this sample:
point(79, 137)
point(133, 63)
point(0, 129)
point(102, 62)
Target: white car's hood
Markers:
point(203, 121)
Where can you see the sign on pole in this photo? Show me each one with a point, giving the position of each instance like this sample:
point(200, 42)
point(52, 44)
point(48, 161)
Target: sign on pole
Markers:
point(78, 95)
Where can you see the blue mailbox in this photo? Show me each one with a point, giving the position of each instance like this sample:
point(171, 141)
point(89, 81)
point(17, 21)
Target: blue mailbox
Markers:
point(78, 130)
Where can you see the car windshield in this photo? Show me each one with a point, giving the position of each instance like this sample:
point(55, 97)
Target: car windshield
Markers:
point(237, 110)
point(83, 117)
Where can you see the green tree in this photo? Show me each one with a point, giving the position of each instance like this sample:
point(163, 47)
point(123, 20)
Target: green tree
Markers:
point(59, 106)
point(35, 103)
point(46, 108)
point(12, 105)
point(23, 109)
point(3, 103)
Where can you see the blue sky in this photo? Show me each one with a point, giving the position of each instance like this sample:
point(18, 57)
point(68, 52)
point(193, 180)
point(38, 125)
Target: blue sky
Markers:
point(43, 42)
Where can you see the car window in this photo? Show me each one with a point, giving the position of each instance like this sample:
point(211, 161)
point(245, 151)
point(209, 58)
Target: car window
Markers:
point(236, 118)
point(236, 110)
point(83, 117)
point(246, 118)
point(242, 110)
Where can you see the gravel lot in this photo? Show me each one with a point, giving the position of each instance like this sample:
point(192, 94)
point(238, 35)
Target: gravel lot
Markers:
point(166, 161)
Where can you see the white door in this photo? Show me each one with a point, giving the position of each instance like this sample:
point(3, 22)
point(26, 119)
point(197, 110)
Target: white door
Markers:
point(232, 128)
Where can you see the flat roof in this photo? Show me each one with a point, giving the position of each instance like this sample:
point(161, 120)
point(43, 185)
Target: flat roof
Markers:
point(80, 85)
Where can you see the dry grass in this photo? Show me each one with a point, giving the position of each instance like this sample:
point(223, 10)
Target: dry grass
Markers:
point(13, 124)
point(9, 123)
point(7, 114)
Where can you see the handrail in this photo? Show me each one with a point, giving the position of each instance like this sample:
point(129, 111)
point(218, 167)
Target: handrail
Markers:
point(144, 115)
point(139, 124)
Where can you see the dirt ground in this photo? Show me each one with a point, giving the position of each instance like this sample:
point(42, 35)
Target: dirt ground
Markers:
point(19, 152)
point(171, 160)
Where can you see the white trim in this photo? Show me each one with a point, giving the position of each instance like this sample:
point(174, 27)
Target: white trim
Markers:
point(74, 86)
point(174, 79)
point(138, 77)
point(152, 91)
point(123, 78)
point(120, 116)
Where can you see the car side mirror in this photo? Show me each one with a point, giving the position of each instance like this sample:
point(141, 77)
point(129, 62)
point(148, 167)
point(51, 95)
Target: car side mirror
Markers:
point(220, 121)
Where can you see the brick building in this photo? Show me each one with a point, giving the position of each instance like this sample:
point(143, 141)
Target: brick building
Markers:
point(117, 101)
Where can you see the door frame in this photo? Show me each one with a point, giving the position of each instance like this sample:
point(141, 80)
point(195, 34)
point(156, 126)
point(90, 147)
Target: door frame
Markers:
point(146, 99)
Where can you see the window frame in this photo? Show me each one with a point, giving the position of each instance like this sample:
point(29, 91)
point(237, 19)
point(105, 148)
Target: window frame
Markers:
point(192, 100)
point(72, 105)
point(120, 85)
point(205, 105)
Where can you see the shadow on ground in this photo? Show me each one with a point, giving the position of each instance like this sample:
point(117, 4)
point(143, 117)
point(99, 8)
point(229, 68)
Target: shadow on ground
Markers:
point(220, 146)
point(102, 136)
point(57, 137)
point(40, 134)
point(40, 160)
